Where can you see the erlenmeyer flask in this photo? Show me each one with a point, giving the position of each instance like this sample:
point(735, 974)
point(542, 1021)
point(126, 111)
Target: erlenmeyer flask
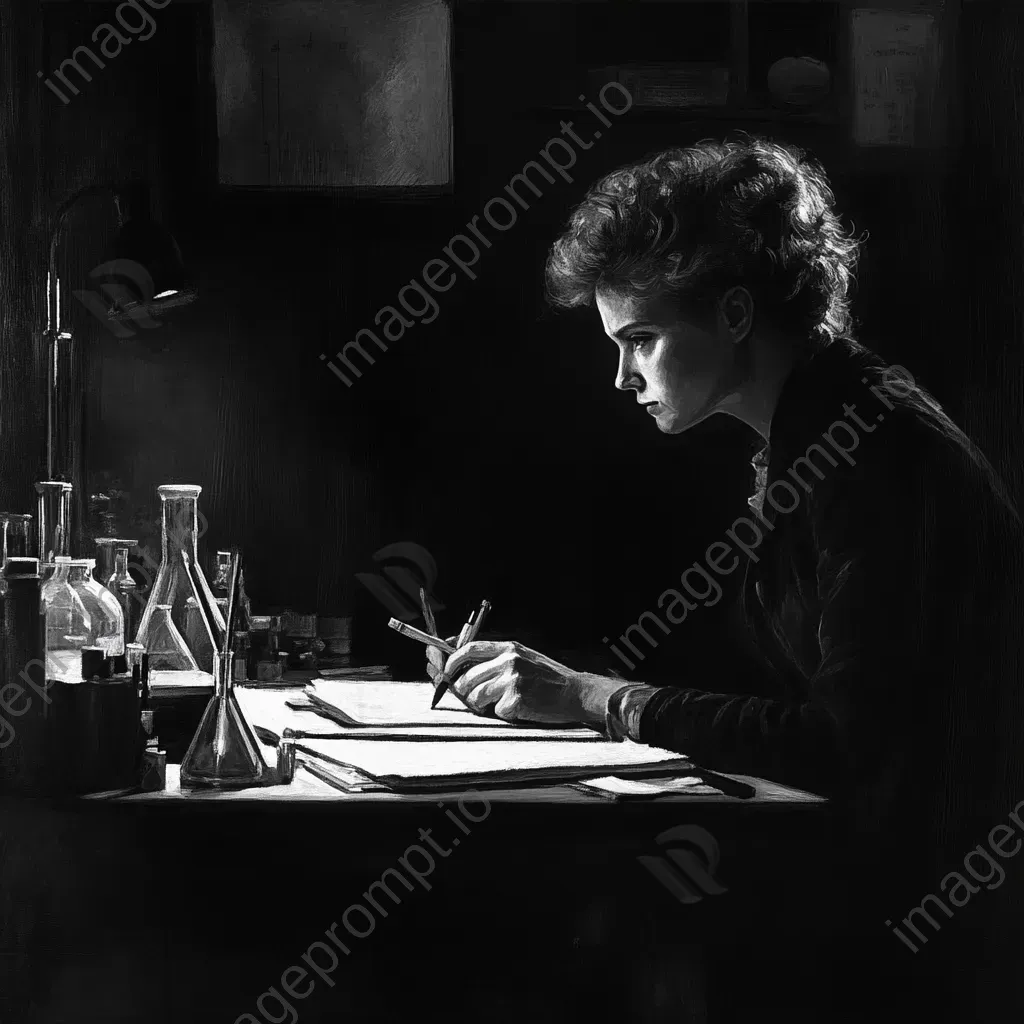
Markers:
point(167, 650)
point(180, 576)
point(224, 753)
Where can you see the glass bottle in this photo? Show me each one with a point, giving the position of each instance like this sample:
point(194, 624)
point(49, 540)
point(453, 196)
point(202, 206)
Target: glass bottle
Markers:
point(180, 576)
point(165, 645)
point(222, 575)
point(223, 754)
point(106, 556)
point(123, 586)
point(107, 621)
point(221, 580)
point(68, 624)
point(54, 519)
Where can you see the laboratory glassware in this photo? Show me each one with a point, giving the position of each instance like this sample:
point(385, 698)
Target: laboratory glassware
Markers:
point(124, 588)
point(68, 624)
point(165, 645)
point(54, 519)
point(106, 618)
point(16, 540)
point(106, 556)
point(224, 753)
point(180, 576)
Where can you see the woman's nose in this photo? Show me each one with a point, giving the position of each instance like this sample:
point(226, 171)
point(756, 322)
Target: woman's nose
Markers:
point(626, 378)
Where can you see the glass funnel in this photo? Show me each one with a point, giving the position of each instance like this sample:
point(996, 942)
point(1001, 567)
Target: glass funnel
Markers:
point(180, 576)
point(68, 624)
point(223, 754)
point(106, 619)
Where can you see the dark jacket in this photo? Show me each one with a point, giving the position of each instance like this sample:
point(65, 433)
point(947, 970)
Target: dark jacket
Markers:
point(885, 597)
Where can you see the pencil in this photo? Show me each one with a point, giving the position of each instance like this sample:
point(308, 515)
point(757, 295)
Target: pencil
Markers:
point(417, 634)
point(466, 636)
point(428, 612)
point(478, 621)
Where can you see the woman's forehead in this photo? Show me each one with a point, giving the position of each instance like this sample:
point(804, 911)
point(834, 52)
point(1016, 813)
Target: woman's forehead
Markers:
point(619, 309)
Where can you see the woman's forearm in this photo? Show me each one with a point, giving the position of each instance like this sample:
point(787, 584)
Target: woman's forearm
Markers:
point(600, 695)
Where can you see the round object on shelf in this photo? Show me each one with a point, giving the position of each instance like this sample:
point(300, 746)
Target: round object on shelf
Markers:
point(799, 81)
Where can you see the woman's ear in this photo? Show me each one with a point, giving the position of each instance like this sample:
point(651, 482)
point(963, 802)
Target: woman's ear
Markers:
point(736, 314)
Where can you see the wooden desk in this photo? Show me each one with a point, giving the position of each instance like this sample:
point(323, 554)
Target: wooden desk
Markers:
point(307, 787)
point(179, 907)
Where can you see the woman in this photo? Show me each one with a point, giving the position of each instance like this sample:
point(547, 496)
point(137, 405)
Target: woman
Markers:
point(882, 556)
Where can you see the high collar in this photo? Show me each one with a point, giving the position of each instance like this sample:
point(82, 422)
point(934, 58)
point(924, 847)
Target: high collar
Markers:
point(811, 398)
point(814, 393)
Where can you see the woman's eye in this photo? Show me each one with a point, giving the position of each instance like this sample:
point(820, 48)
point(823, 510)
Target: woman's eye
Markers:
point(639, 341)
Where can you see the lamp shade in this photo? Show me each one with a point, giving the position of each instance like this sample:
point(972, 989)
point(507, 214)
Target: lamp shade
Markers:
point(148, 271)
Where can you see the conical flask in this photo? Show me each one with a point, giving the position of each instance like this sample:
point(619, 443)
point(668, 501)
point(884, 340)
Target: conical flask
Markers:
point(179, 576)
point(167, 650)
point(223, 753)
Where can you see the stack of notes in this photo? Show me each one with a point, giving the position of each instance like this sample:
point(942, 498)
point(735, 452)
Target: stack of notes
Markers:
point(387, 733)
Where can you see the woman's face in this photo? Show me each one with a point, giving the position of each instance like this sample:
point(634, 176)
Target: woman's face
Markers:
point(681, 372)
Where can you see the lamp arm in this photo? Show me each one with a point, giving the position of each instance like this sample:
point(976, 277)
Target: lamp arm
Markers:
point(115, 191)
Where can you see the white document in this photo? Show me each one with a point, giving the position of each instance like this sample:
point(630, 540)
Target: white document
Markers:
point(450, 764)
point(388, 705)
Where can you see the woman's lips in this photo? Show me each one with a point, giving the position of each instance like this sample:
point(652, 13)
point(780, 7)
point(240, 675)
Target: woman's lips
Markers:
point(652, 407)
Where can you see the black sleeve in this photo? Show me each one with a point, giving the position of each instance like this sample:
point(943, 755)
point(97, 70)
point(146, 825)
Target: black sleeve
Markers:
point(873, 538)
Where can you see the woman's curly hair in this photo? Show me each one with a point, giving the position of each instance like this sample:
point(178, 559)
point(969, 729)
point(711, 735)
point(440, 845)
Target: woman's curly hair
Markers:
point(692, 222)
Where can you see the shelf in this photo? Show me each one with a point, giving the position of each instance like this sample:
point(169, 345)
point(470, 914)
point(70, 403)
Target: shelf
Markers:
point(664, 115)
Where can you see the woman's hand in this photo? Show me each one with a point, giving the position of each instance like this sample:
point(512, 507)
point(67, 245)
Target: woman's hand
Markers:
point(504, 679)
point(435, 658)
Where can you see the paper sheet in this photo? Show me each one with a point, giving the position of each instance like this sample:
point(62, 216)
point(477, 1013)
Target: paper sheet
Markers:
point(401, 705)
point(894, 55)
point(616, 788)
point(409, 765)
point(271, 711)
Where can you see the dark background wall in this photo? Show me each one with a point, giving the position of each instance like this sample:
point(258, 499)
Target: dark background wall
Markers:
point(492, 436)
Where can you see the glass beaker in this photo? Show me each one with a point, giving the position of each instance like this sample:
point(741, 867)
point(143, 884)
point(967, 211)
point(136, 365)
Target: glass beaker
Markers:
point(106, 619)
point(54, 519)
point(68, 624)
point(165, 645)
point(16, 540)
point(223, 754)
point(180, 576)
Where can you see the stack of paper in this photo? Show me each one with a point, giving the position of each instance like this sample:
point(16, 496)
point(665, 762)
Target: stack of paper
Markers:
point(443, 749)
point(445, 764)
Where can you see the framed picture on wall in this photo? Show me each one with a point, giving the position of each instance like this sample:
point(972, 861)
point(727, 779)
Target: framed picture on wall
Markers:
point(348, 94)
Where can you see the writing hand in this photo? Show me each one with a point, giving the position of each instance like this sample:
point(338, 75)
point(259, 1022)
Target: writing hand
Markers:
point(504, 679)
point(435, 658)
